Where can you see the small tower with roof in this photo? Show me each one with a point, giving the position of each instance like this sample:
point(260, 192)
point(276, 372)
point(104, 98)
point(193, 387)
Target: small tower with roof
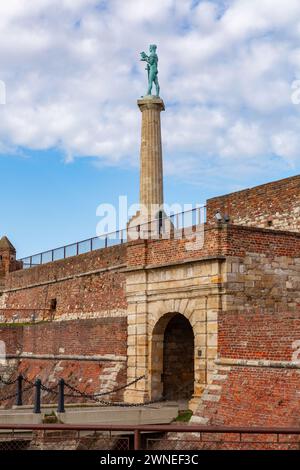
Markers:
point(8, 261)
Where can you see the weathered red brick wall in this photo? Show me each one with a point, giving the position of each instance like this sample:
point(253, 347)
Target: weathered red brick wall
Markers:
point(85, 263)
point(192, 245)
point(12, 336)
point(226, 240)
point(104, 337)
point(243, 240)
point(89, 377)
point(83, 337)
point(88, 283)
point(258, 335)
point(274, 205)
point(257, 382)
point(92, 293)
point(253, 396)
point(89, 322)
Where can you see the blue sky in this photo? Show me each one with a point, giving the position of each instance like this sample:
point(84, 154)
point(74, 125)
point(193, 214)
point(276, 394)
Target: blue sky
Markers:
point(70, 128)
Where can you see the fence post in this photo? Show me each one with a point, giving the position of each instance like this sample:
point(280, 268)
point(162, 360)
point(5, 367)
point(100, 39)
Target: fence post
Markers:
point(137, 440)
point(61, 396)
point(37, 396)
point(160, 222)
point(19, 400)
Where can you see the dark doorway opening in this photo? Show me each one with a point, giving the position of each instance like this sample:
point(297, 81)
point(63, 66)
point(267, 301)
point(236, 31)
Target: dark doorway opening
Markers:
point(178, 359)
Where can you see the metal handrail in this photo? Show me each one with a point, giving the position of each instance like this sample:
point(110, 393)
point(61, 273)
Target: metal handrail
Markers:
point(177, 221)
point(138, 430)
point(190, 428)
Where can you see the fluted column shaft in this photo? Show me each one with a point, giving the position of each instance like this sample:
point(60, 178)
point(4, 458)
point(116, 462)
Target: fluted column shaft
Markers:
point(151, 167)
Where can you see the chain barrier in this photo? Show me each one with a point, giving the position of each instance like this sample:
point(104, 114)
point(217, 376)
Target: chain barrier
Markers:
point(80, 394)
point(123, 404)
point(50, 390)
point(94, 397)
point(43, 387)
point(8, 382)
point(13, 395)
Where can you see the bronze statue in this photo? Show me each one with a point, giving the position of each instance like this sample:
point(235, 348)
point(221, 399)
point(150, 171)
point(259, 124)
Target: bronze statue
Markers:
point(152, 62)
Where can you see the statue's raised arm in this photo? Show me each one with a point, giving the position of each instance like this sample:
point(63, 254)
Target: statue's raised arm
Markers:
point(144, 56)
point(152, 68)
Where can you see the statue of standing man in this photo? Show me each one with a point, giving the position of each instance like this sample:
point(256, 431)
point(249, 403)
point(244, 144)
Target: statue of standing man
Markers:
point(152, 68)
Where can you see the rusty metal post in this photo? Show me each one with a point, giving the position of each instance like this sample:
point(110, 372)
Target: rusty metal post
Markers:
point(137, 439)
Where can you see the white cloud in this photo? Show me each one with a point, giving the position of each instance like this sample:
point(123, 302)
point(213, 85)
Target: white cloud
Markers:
point(243, 140)
point(72, 73)
point(287, 144)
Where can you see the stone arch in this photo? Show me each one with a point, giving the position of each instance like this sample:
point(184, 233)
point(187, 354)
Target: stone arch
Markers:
point(184, 306)
point(194, 310)
point(169, 366)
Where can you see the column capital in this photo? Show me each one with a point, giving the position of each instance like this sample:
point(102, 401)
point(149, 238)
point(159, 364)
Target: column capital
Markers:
point(151, 102)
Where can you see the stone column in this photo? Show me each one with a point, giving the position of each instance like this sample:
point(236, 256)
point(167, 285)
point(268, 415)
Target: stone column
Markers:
point(151, 167)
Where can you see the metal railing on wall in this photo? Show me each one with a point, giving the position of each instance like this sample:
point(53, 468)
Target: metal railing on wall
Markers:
point(151, 229)
point(146, 437)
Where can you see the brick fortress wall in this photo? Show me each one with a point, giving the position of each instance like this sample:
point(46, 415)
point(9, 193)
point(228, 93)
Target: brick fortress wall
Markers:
point(258, 319)
point(257, 376)
point(274, 205)
point(82, 337)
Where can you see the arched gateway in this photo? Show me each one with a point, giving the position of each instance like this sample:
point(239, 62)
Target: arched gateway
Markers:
point(172, 357)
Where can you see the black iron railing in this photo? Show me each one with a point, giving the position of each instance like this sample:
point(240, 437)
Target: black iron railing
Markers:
point(151, 229)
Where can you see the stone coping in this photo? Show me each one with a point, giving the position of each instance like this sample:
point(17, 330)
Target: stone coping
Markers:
point(282, 181)
point(68, 357)
point(258, 363)
point(269, 231)
point(177, 263)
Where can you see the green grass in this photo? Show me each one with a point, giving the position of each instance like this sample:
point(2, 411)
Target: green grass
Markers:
point(51, 419)
point(184, 416)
